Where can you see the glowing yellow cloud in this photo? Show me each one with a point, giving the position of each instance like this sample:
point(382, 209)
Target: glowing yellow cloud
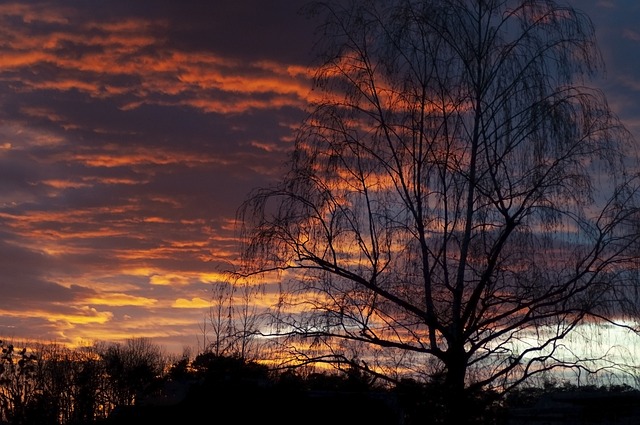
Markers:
point(193, 303)
point(77, 316)
point(212, 277)
point(168, 279)
point(117, 300)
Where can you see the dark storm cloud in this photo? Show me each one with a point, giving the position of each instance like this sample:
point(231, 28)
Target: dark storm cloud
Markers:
point(275, 30)
point(22, 282)
point(618, 34)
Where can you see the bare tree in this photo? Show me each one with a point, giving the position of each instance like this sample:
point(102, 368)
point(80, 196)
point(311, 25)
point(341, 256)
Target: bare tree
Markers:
point(233, 321)
point(132, 367)
point(217, 326)
point(68, 385)
point(460, 200)
point(247, 321)
point(18, 388)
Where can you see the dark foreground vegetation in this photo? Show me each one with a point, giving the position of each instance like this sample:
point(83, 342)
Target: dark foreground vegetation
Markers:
point(134, 383)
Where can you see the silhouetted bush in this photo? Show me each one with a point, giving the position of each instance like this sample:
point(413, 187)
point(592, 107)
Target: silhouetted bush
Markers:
point(425, 403)
point(221, 387)
point(66, 388)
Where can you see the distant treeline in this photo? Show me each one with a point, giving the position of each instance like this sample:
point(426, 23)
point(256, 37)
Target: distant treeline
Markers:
point(136, 383)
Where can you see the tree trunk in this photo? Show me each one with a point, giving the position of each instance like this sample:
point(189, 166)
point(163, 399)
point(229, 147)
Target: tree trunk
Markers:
point(457, 407)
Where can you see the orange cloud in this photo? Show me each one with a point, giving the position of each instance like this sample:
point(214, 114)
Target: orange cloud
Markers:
point(125, 63)
point(65, 184)
point(123, 49)
point(115, 157)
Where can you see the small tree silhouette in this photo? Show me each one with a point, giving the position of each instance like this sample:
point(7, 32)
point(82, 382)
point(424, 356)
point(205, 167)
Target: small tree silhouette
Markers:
point(18, 368)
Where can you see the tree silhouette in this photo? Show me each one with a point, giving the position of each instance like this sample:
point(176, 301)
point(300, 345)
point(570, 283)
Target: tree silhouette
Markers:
point(459, 200)
point(18, 368)
point(133, 368)
point(233, 321)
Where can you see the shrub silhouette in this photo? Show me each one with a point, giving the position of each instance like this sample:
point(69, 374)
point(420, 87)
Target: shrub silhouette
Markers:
point(248, 392)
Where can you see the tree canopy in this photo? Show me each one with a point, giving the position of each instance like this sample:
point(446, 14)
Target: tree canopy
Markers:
point(459, 201)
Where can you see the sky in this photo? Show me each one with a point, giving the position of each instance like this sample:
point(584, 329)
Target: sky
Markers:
point(130, 133)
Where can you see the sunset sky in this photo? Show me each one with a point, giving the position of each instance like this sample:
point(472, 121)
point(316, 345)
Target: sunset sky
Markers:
point(131, 131)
